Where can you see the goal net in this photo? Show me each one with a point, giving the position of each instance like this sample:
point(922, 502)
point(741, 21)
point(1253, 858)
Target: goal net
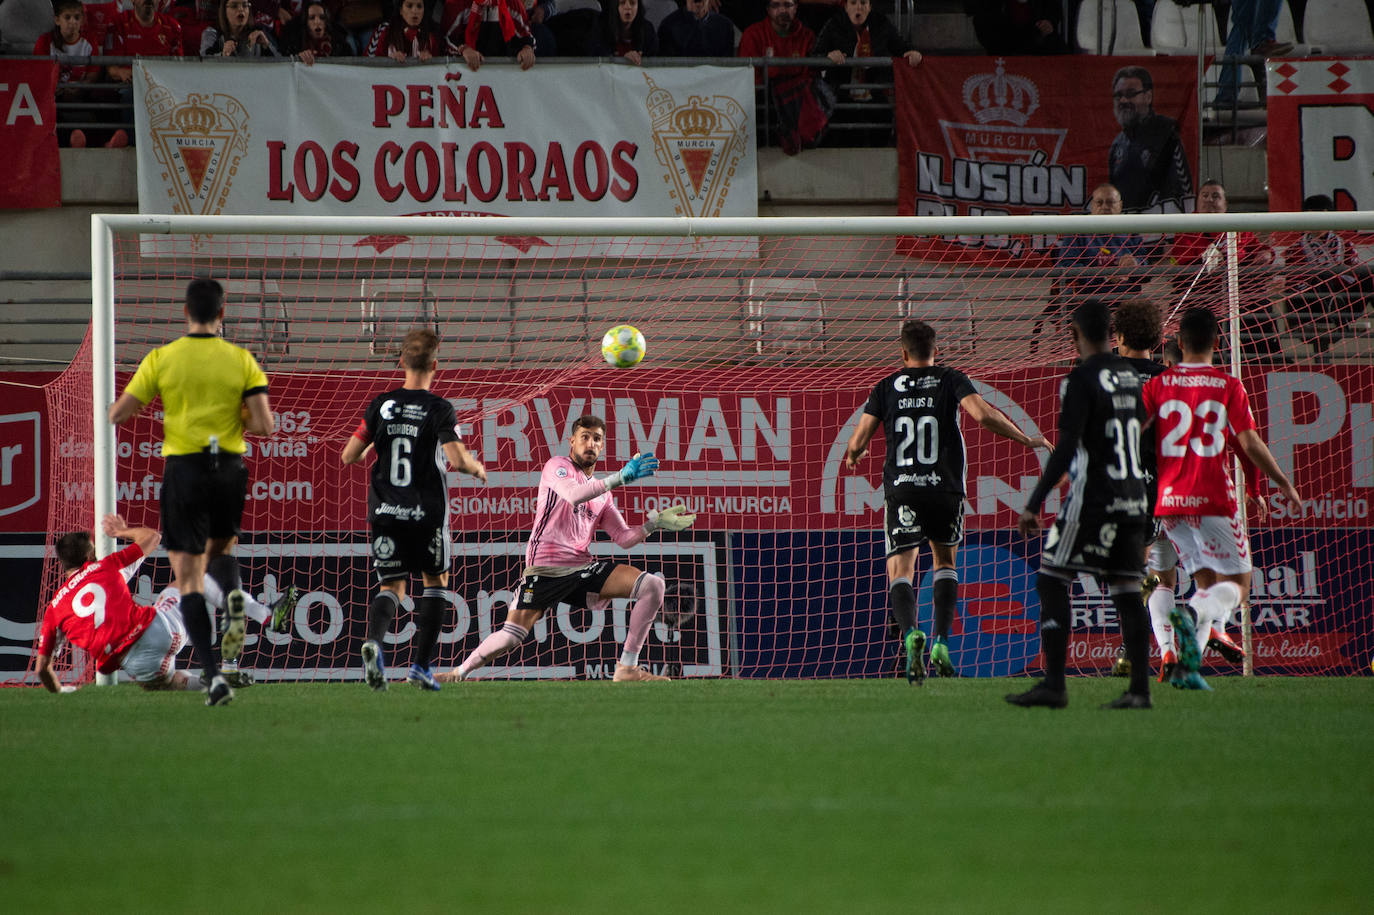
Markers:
point(765, 338)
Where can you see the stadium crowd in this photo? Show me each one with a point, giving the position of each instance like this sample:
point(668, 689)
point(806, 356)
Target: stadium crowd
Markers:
point(805, 99)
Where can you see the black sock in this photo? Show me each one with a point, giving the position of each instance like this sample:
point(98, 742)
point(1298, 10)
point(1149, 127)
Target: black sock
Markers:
point(224, 569)
point(380, 613)
point(945, 592)
point(197, 620)
point(1054, 627)
point(1135, 635)
point(430, 611)
point(902, 599)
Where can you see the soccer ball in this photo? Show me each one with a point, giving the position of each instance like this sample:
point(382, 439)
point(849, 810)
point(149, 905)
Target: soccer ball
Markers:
point(623, 346)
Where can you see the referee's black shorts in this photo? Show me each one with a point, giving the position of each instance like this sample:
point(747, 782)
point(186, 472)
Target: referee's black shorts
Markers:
point(202, 497)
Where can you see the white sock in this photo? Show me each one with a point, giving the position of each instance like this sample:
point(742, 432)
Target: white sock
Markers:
point(629, 659)
point(1160, 603)
point(1206, 609)
point(254, 610)
point(214, 596)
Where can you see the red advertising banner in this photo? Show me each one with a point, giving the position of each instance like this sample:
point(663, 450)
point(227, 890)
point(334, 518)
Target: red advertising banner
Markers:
point(28, 134)
point(1321, 132)
point(743, 451)
point(997, 136)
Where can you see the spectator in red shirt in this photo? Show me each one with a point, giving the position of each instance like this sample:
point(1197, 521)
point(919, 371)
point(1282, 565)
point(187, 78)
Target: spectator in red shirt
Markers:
point(142, 32)
point(100, 19)
point(1209, 249)
point(496, 27)
point(1205, 283)
point(407, 35)
point(800, 100)
point(314, 35)
point(780, 35)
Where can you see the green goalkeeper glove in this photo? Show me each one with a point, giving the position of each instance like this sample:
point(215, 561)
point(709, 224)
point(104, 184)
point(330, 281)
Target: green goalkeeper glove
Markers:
point(672, 518)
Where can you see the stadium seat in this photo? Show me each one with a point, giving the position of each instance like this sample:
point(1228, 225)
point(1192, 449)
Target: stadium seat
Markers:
point(1338, 26)
point(1174, 30)
point(1120, 28)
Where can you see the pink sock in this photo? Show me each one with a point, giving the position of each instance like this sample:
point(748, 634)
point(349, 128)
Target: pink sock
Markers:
point(648, 597)
point(493, 646)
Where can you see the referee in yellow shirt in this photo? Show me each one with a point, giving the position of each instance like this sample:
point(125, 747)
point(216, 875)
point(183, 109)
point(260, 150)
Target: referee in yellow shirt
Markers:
point(212, 392)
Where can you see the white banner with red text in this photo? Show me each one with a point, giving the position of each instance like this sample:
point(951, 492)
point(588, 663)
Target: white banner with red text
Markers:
point(1321, 132)
point(560, 140)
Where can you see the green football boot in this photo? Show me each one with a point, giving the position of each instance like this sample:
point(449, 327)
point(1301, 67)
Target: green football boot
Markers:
point(915, 642)
point(939, 660)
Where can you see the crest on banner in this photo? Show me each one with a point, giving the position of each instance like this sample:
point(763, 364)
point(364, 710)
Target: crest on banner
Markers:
point(1001, 106)
point(198, 141)
point(699, 143)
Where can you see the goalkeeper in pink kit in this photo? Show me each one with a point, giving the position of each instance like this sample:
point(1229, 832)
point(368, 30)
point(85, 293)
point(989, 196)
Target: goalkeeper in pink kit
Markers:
point(559, 567)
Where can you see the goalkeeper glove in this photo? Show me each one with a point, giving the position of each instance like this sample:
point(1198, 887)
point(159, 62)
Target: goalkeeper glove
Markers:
point(672, 518)
point(637, 468)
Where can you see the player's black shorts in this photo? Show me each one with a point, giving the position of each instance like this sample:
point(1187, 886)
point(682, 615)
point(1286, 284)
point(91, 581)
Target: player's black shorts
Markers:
point(909, 520)
point(1106, 546)
point(544, 592)
point(202, 497)
point(401, 550)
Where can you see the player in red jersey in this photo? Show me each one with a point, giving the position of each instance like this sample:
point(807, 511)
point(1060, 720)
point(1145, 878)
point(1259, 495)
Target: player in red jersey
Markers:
point(1195, 407)
point(95, 611)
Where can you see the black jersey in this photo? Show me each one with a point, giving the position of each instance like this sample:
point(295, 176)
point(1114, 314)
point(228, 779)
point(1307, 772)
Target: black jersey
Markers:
point(1149, 165)
point(1100, 418)
point(406, 427)
point(919, 409)
point(1147, 369)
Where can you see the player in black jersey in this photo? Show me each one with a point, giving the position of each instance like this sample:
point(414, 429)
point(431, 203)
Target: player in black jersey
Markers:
point(923, 482)
point(1138, 332)
point(1104, 521)
point(407, 504)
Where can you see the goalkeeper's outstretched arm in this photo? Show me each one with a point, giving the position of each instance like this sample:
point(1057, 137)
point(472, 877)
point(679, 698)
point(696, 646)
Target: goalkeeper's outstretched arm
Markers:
point(637, 468)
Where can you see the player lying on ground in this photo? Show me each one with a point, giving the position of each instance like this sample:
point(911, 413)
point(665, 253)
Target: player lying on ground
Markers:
point(98, 614)
point(559, 567)
point(1196, 408)
point(413, 431)
point(95, 612)
point(917, 408)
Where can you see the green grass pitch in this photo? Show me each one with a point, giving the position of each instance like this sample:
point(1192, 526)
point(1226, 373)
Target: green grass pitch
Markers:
point(710, 797)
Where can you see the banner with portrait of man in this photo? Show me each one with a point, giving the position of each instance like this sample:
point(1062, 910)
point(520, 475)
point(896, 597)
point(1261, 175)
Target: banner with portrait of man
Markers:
point(998, 136)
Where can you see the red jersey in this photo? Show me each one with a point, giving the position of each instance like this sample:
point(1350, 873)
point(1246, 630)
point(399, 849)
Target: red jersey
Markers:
point(100, 19)
point(96, 612)
point(1196, 409)
point(761, 37)
point(1189, 247)
point(131, 37)
point(414, 41)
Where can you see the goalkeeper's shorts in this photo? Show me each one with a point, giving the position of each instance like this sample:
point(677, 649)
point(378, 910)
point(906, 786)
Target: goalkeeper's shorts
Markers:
point(543, 591)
